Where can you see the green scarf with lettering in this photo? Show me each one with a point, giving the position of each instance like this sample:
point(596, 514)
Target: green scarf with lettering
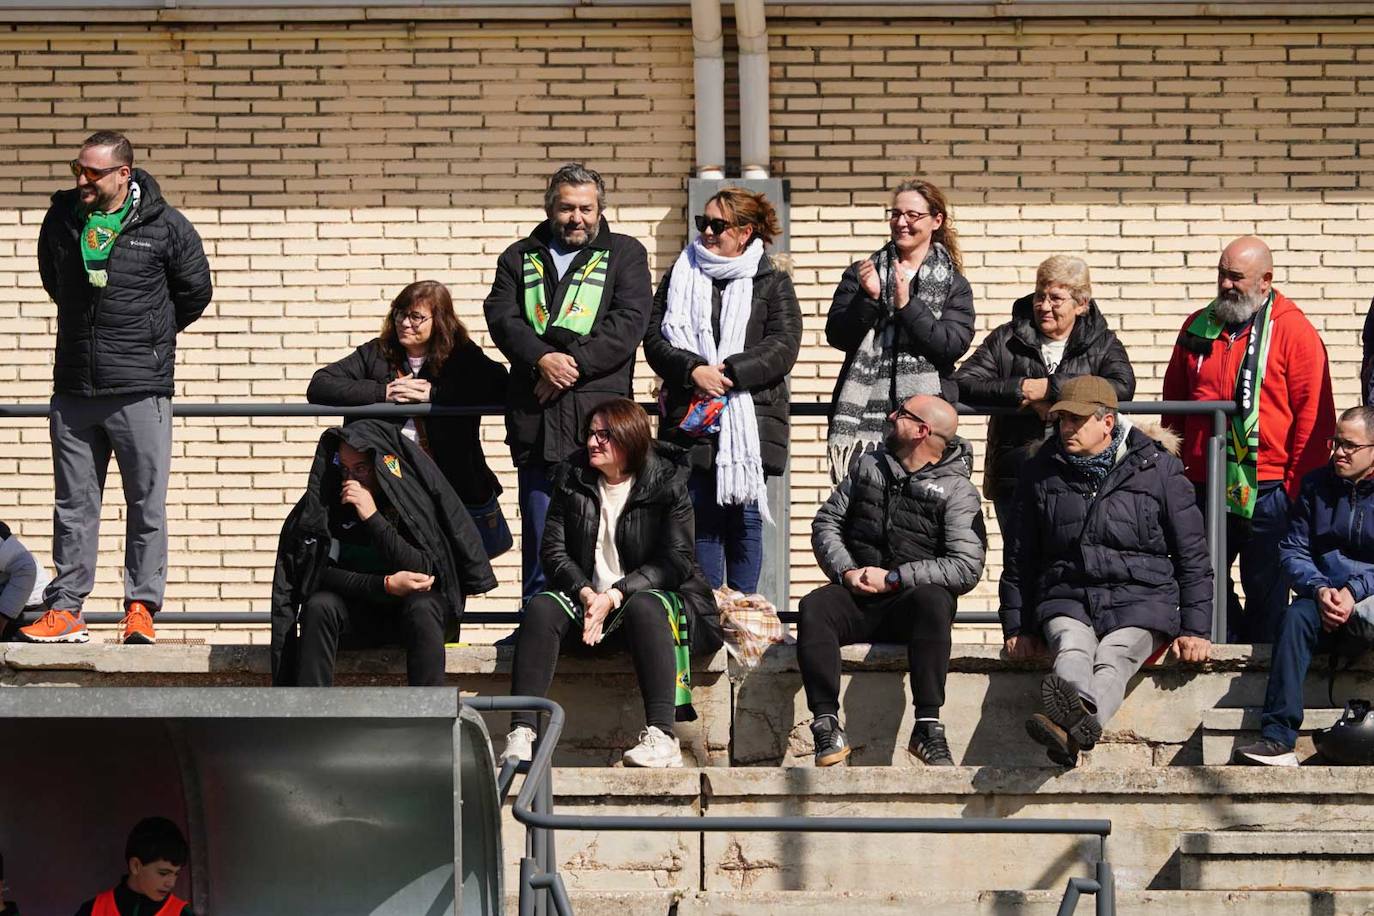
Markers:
point(99, 234)
point(676, 610)
point(1242, 440)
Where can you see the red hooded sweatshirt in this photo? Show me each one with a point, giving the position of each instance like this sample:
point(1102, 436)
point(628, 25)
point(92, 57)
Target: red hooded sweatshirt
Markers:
point(1296, 412)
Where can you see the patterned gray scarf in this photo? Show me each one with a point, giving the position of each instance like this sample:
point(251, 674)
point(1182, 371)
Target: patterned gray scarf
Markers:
point(883, 373)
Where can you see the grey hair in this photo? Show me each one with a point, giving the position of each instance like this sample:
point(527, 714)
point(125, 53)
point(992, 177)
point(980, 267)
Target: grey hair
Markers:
point(1364, 414)
point(1102, 410)
point(574, 173)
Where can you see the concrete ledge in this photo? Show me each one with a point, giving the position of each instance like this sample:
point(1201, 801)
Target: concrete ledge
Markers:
point(975, 903)
point(988, 700)
point(1224, 730)
point(1255, 859)
point(1149, 808)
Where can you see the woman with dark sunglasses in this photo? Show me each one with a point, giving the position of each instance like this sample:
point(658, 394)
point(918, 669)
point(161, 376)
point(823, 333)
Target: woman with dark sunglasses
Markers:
point(724, 333)
point(424, 355)
point(903, 316)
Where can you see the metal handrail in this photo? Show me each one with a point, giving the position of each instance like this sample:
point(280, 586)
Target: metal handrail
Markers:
point(1215, 515)
point(533, 808)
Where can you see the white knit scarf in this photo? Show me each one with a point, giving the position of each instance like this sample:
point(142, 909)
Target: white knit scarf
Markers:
point(687, 326)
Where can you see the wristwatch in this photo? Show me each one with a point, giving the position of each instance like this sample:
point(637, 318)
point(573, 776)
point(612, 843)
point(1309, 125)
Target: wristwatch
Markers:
point(893, 579)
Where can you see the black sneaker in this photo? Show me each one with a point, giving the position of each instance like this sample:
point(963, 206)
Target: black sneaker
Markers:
point(1064, 706)
point(929, 746)
point(1265, 753)
point(832, 746)
point(1059, 745)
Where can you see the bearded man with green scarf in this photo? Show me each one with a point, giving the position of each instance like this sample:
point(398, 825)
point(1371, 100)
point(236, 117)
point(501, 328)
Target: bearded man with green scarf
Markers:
point(127, 272)
point(1254, 346)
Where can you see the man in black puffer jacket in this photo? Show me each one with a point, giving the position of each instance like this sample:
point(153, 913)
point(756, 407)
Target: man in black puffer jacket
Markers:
point(127, 272)
point(1107, 560)
point(900, 539)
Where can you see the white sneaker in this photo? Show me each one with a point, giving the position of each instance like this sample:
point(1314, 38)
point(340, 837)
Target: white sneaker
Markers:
point(520, 744)
point(655, 749)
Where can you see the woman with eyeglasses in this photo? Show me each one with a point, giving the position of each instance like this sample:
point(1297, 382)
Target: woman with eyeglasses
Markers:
point(424, 355)
point(723, 335)
point(903, 316)
point(618, 552)
point(1054, 335)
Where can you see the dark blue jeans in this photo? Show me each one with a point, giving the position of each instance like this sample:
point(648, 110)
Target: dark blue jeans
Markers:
point(535, 488)
point(1256, 542)
point(1300, 637)
point(729, 538)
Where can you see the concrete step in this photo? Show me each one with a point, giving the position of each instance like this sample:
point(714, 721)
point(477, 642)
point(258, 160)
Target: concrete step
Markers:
point(1265, 859)
point(1149, 808)
point(755, 718)
point(1223, 730)
point(965, 903)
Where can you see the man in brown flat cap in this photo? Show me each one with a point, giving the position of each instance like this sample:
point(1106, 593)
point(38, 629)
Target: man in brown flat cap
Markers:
point(1106, 562)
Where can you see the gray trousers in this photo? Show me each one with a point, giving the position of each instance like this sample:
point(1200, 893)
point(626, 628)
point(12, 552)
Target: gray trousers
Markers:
point(137, 430)
point(1100, 670)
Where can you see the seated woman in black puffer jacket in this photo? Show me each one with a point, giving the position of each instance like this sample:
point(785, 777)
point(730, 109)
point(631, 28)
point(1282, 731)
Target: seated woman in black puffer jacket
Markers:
point(618, 550)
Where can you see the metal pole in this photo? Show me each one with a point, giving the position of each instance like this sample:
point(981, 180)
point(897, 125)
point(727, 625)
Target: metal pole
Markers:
point(1072, 891)
point(562, 905)
point(527, 892)
point(1216, 525)
point(1106, 890)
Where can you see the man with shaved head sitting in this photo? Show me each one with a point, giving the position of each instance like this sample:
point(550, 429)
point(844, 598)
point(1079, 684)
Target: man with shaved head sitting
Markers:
point(1252, 345)
point(900, 539)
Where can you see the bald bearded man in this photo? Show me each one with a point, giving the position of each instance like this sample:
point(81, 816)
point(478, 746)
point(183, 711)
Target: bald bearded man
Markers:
point(900, 539)
point(1251, 344)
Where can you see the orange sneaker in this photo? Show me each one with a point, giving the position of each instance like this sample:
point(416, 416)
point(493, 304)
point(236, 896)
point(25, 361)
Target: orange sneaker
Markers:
point(56, 626)
point(138, 625)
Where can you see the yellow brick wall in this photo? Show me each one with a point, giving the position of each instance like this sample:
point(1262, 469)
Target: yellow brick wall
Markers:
point(326, 168)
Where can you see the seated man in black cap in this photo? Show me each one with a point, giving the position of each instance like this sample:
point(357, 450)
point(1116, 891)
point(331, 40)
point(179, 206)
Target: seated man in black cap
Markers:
point(1106, 561)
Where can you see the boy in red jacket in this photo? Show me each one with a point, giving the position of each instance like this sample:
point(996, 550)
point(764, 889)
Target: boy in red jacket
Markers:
point(1253, 345)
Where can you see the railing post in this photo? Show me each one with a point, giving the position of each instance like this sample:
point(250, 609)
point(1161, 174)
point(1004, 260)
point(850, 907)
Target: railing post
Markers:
point(528, 895)
point(1216, 525)
point(777, 553)
point(1106, 889)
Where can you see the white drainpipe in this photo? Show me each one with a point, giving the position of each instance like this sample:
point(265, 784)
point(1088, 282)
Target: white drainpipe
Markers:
point(708, 47)
point(751, 30)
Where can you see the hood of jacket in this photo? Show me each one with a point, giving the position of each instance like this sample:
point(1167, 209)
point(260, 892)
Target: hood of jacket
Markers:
point(150, 200)
point(1088, 328)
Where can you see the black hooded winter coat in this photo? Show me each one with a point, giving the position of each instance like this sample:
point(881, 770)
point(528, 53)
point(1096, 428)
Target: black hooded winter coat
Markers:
point(656, 537)
point(605, 357)
point(772, 341)
point(434, 521)
point(1132, 553)
point(122, 339)
point(992, 377)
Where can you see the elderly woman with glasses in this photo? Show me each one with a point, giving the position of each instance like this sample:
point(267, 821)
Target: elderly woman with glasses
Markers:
point(903, 316)
point(617, 550)
point(424, 355)
point(1054, 335)
point(724, 333)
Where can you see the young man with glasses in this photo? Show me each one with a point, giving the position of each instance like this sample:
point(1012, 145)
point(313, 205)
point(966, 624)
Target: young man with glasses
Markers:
point(568, 308)
point(900, 539)
point(127, 272)
point(1328, 554)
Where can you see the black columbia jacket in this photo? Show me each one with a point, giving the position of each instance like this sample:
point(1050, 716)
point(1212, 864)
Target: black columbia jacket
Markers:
point(434, 518)
point(122, 339)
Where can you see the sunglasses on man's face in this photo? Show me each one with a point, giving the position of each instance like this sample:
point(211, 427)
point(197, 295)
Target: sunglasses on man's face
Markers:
point(92, 174)
point(717, 226)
